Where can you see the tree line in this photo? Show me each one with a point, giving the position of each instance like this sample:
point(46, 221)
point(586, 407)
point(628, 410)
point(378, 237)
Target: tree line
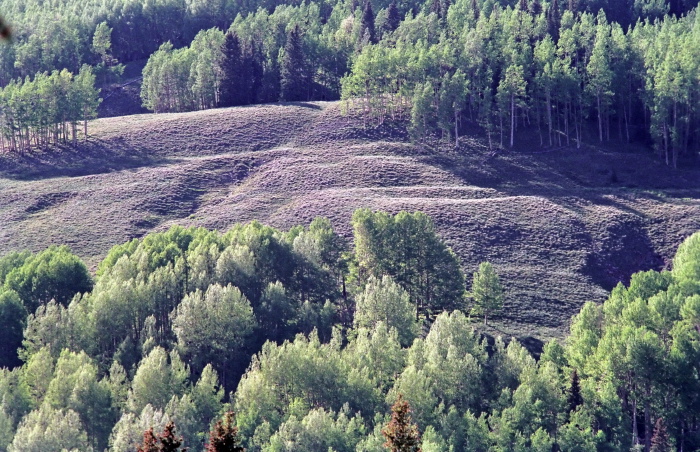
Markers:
point(47, 109)
point(565, 71)
point(310, 342)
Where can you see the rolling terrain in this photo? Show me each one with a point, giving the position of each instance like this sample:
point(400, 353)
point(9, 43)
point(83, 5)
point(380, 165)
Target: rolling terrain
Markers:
point(562, 227)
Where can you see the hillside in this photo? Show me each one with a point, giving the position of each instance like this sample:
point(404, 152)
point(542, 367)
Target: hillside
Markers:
point(561, 227)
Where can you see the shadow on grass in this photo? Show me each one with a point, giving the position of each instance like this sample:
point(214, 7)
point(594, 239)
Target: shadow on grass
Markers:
point(87, 158)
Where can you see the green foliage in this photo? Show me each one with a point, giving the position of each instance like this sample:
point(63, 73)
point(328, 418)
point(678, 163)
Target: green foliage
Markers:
point(486, 291)
point(54, 274)
point(294, 79)
point(385, 301)
point(213, 327)
point(13, 317)
point(407, 248)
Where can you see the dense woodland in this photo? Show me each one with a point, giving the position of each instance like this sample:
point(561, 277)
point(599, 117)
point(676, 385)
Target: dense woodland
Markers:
point(573, 71)
point(310, 342)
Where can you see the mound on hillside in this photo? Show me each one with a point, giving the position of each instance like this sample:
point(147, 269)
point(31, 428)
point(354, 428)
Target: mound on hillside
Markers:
point(561, 227)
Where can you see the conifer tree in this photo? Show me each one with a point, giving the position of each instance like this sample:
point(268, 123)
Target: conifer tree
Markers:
point(575, 398)
point(660, 442)
point(224, 436)
point(401, 433)
point(393, 19)
point(368, 23)
point(294, 80)
point(233, 82)
point(554, 20)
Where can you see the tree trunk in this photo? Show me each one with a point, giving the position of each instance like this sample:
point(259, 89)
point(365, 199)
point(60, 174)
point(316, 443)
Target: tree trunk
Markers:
point(600, 121)
point(512, 118)
point(549, 116)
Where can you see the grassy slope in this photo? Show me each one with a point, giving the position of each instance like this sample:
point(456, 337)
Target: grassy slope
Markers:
point(557, 228)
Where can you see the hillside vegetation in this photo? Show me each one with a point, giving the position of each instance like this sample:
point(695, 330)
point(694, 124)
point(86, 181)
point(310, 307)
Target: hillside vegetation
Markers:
point(561, 227)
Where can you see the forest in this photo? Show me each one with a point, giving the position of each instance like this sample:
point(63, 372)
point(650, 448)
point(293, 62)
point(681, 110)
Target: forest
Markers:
point(295, 340)
point(570, 72)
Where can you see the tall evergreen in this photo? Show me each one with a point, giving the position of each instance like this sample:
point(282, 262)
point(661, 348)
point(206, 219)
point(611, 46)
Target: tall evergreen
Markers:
point(294, 81)
point(660, 442)
point(575, 399)
point(554, 20)
point(224, 436)
point(368, 30)
point(393, 19)
point(401, 433)
point(233, 79)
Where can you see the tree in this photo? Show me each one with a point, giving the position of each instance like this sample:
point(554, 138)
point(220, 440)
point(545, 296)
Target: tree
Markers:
point(49, 430)
point(224, 436)
point(393, 19)
point(213, 327)
point(294, 83)
point(233, 83)
point(511, 94)
point(385, 301)
point(406, 247)
point(599, 72)
point(575, 398)
point(163, 442)
point(660, 442)
point(367, 30)
point(401, 433)
point(13, 318)
point(486, 291)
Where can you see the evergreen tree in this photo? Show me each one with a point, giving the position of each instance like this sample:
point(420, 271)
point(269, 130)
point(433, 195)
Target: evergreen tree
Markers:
point(224, 436)
point(575, 398)
point(660, 442)
point(393, 19)
point(401, 433)
point(368, 29)
point(294, 83)
point(553, 20)
point(163, 442)
point(233, 81)
point(150, 442)
point(486, 291)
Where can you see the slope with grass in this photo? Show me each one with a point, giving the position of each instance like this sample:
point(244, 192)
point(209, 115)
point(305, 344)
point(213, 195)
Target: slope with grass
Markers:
point(561, 227)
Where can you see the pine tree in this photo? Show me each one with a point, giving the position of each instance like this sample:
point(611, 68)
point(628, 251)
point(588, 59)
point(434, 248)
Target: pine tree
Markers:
point(401, 433)
point(575, 398)
point(224, 436)
point(233, 82)
point(294, 80)
point(163, 442)
point(368, 23)
point(554, 20)
point(393, 19)
point(150, 442)
point(661, 442)
point(168, 441)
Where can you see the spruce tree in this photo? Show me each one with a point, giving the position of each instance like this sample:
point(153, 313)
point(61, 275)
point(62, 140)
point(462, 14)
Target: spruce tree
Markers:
point(150, 442)
point(294, 80)
point(575, 399)
point(163, 442)
point(368, 23)
point(661, 442)
point(224, 436)
point(554, 20)
point(233, 82)
point(393, 19)
point(401, 433)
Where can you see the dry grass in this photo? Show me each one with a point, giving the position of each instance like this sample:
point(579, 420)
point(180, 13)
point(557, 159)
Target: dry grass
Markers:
point(558, 226)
